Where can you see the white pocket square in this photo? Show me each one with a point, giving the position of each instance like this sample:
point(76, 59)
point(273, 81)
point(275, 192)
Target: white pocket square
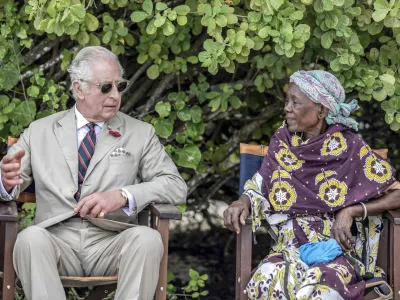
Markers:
point(119, 151)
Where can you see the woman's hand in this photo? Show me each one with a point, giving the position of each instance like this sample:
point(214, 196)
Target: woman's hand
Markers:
point(237, 211)
point(341, 229)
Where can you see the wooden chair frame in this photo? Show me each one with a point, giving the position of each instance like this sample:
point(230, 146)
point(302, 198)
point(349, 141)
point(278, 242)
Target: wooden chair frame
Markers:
point(388, 253)
point(160, 214)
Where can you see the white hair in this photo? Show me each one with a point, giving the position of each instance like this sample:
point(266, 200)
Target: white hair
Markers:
point(81, 67)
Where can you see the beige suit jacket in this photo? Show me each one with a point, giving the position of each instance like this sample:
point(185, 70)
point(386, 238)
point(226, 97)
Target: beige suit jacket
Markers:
point(51, 159)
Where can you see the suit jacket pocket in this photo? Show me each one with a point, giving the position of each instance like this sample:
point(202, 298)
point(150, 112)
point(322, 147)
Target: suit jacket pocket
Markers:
point(121, 159)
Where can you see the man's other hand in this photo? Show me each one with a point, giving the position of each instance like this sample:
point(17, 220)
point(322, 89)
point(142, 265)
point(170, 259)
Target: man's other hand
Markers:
point(100, 204)
point(11, 170)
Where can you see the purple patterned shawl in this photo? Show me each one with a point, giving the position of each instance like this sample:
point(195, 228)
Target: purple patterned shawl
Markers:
point(323, 174)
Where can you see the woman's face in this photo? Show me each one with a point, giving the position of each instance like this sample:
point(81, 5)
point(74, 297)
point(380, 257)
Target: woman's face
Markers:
point(301, 113)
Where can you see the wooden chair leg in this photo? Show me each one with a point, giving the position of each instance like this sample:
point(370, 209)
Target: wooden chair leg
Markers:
point(243, 261)
point(101, 291)
point(395, 260)
point(163, 229)
point(9, 274)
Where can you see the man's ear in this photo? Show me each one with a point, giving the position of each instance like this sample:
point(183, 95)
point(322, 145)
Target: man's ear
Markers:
point(78, 89)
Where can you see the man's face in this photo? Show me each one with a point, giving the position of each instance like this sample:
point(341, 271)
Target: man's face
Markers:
point(301, 113)
point(93, 104)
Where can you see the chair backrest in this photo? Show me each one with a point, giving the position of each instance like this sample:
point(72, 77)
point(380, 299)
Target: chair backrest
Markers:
point(251, 157)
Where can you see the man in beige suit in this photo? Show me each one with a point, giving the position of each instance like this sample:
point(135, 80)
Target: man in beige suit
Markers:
point(94, 169)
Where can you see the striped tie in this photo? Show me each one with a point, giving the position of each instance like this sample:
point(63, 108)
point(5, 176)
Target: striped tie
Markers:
point(85, 153)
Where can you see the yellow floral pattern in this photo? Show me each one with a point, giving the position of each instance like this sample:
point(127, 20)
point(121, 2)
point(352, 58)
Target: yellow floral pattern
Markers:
point(282, 196)
point(333, 192)
point(334, 145)
point(288, 160)
point(377, 170)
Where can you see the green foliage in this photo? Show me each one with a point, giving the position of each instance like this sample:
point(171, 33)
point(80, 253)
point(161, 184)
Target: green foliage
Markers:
point(194, 289)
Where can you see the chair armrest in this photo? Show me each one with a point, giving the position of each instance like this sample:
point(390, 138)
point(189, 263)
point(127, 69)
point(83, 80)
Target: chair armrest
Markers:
point(393, 216)
point(249, 220)
point(8, 211)
point(165, 211)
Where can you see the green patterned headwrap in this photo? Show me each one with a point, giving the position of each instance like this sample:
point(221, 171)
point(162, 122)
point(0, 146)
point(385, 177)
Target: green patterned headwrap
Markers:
point(323, 87)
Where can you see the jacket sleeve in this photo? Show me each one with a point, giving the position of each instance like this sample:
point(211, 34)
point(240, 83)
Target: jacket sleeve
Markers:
point(161, 182)
point(23, 143)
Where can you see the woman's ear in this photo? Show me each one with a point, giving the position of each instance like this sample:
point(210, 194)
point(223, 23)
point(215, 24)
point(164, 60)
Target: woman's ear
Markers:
point(323, 111)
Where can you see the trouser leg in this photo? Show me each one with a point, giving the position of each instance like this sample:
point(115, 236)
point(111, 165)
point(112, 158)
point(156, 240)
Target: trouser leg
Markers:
point(39, 259)
point(134, 254)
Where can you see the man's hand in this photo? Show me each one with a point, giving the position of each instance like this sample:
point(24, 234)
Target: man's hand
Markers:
point(100, 204)
point(237, 211)
point(11, 170)
point(341, 229)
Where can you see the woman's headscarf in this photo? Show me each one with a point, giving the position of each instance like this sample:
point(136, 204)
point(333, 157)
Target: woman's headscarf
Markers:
point(323, 87)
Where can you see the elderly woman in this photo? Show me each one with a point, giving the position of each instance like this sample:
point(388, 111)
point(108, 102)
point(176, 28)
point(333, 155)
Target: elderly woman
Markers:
point(318, 178)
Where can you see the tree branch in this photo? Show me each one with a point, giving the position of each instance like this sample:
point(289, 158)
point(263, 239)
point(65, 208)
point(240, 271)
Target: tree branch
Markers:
point(48, 64)
point(39, 50)
point(137, 95)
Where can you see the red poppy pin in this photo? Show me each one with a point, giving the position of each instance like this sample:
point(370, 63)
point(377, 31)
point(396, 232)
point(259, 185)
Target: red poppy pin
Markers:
point(114, 133)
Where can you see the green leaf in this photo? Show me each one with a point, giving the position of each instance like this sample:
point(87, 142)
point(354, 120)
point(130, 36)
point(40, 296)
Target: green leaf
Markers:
point(153, 72)
point(388, 78)
point(327, 39)
point(151, 28)
point(193, 59)
point(148, 6)
point(163, 127)
point(33, 91)
point(122, 31)
point(160, 6)
point(264, 32)
point(138, 16)
point(276, 3)
point(182, 20)
point(196, 114)
point(83, 38)
point(9, 108)
point(379, 95)
point(188, 157)
point(184, 114)
point(163, 109)
point(107, 37)
point(380, 14)
point(78, 11)
point(154, 50)
point(221, 20)
point(195, 295)
point(24, 113)
point(182, 10)
point(3, 101)
point(168, 28)
point(92, 23)
point(235, 102)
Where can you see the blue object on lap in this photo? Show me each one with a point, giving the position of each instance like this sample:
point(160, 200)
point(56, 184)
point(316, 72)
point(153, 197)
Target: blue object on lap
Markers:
point(320, 252)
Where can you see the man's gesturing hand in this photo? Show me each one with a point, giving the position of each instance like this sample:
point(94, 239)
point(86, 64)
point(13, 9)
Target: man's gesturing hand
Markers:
point(11, 170)
point(100, 204)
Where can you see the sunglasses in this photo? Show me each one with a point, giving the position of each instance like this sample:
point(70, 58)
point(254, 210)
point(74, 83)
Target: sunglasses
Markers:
point(106, 87)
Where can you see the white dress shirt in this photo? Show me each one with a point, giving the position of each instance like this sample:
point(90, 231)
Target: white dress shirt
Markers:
point(81, 132)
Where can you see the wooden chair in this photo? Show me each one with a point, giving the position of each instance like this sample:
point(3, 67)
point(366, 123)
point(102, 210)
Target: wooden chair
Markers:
point(251, 157)
point(159, 214)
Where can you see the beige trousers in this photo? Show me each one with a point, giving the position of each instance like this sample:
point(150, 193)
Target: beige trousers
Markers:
point(78, 248)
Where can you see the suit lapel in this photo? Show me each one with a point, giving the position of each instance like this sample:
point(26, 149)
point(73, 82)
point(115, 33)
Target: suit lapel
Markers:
point(105, 142)
point(67, 139)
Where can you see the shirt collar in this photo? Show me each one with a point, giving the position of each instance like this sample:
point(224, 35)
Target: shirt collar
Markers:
point(81, 121)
